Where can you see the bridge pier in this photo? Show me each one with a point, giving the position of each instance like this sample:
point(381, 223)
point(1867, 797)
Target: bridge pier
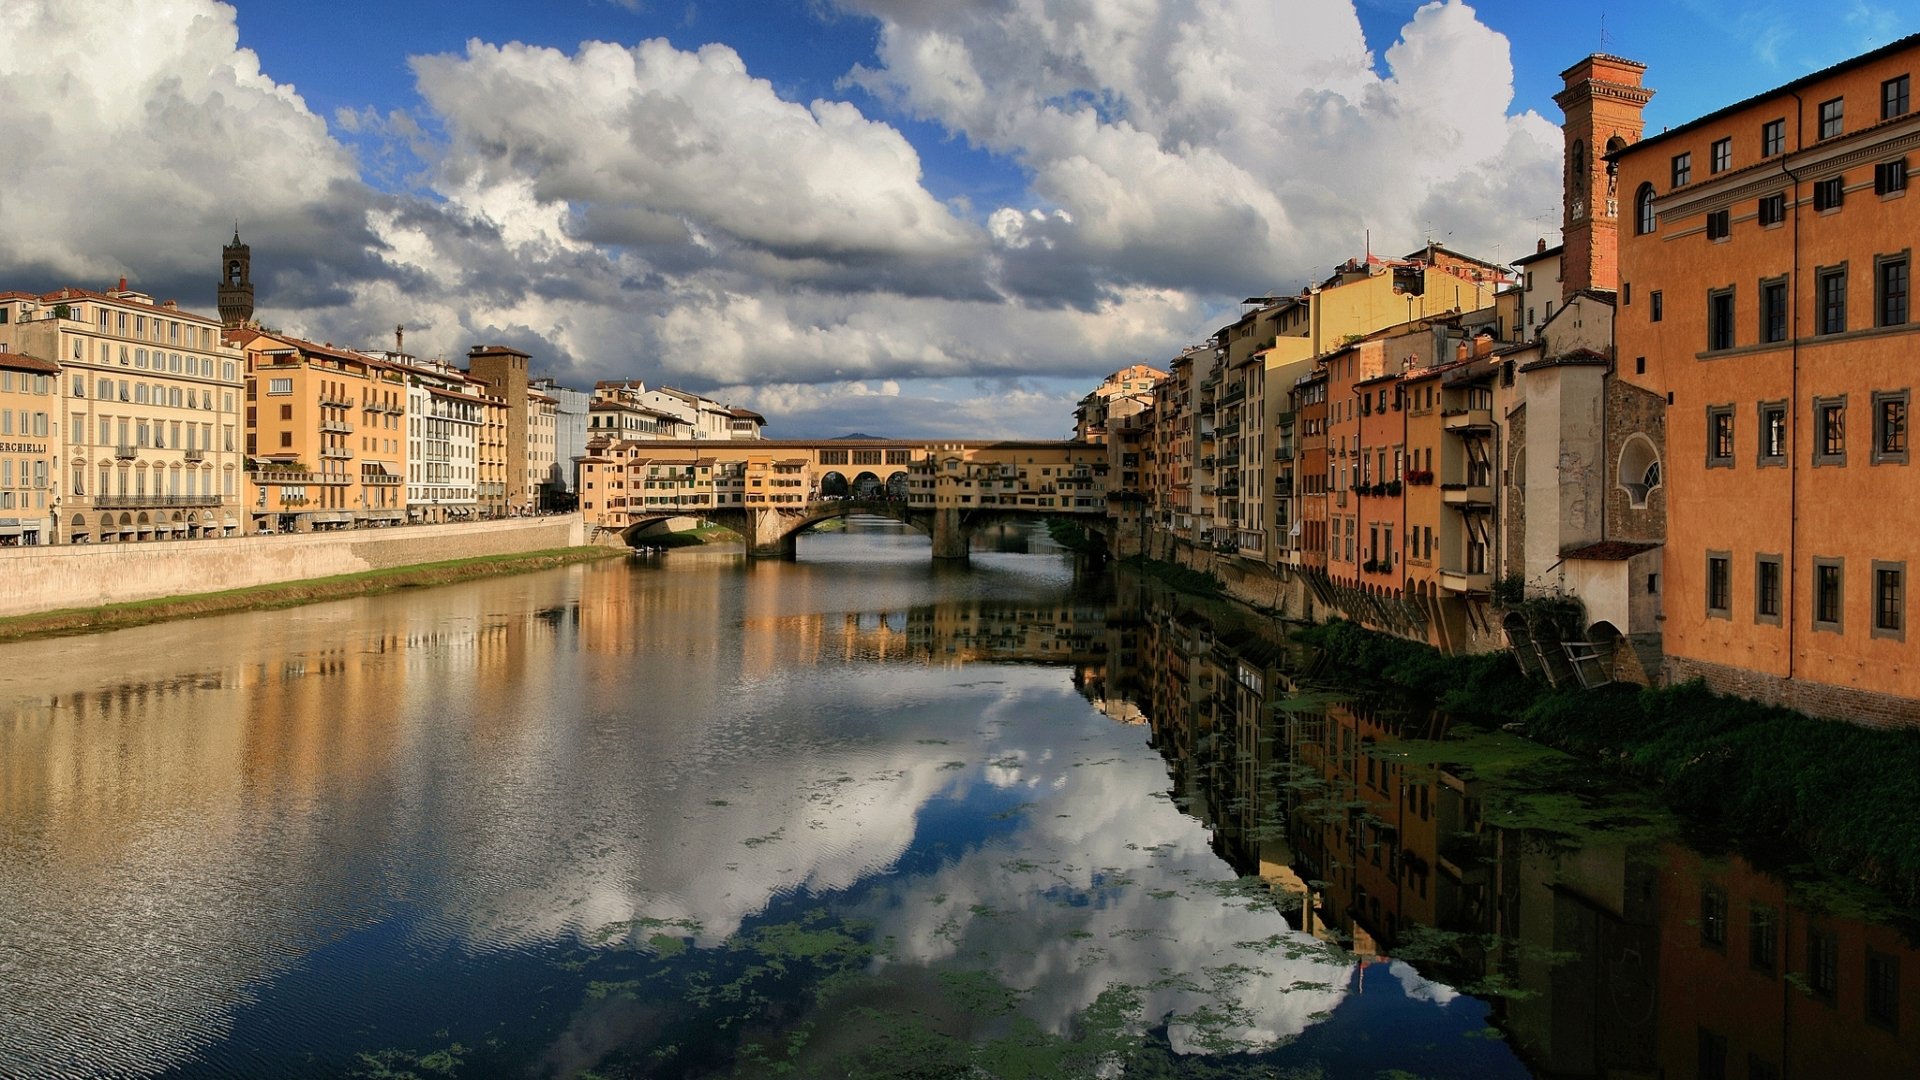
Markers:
point(951, 540)
point(770, 534)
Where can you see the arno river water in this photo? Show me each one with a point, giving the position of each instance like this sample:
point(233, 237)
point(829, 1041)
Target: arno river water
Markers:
point(856, 815)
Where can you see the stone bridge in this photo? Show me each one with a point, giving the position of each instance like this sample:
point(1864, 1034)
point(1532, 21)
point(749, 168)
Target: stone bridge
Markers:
point(771, 491)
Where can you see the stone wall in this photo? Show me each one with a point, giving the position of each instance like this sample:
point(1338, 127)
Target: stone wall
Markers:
point(1865, 707)
point(51, 578)
point(1630, 411)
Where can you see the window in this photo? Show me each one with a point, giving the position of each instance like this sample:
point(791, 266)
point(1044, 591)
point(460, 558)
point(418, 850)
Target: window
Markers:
point(1719, 436)
point(1720, 158)
point(1773, 208)
point(1890, 600)
point(1830, 430)
point(1883, 975)
point(286, 440)
point(1827, 595)
point(1893, 97)
point(1643, 219)
point(279, 386)
point(1833, 118)
point(1766, 589)
point(1657, 305)
point(1890, 294)
point(1831, 294)
point(1828, 194)
point(1713, 917)
point(1719, 589)
point(1682, 169)
point(1773, 310)
point(1719, 319)
point(1773, 433)
point(1890, 177)
point(1773, 137)
point(1718, 227)
point(1763, 937)
point(286, 412)
point(1890, 427)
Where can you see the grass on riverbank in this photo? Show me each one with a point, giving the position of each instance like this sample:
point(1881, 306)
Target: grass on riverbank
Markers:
point(1753, 773)
point(1185, 579)
point(290, 594)
point(708, 533)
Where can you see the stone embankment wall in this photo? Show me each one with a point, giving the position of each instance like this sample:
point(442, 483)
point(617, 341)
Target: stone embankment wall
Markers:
point(52, 578)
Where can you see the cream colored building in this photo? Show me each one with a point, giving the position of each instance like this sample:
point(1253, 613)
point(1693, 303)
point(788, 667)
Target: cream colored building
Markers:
point(29, 450)
point(542, 412)
point(444, 413)
point(152, 400)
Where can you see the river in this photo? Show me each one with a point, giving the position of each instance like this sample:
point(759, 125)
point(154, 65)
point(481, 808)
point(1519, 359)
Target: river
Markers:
point(854, 815)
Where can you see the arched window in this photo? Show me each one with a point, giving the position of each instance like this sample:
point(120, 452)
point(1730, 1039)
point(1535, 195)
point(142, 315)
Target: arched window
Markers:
point(1577, 164)
point(1643, 210)
point(1639, 470)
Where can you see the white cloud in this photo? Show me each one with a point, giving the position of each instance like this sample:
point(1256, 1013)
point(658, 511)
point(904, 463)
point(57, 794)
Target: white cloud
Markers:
point(643, 210)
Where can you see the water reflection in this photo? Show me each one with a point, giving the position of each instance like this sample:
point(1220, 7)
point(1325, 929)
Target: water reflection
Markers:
point(1608, 946)
point(705, 818)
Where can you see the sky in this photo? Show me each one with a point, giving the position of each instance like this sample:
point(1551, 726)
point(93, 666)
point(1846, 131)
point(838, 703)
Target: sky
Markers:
point(912, 218)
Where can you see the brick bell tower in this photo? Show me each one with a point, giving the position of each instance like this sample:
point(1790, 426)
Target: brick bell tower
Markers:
point(1603, 100)
point(236, 282)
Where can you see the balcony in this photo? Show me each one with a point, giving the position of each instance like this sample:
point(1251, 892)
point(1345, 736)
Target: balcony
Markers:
point(1467, 421)
point(336, 427)
point(328, 401)
point(124, 452)
point(1461, 581)
point(196, 454)
point(337, 453)
point(1467, 496)
point(151, 502)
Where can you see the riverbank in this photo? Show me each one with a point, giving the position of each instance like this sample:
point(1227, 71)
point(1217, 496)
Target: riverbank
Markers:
point(1766, 779)
point(88, 620)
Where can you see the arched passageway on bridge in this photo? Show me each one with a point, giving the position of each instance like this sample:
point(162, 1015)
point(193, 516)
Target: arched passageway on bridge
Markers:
point(834, 485)
point(867, 486)
point(897, 486)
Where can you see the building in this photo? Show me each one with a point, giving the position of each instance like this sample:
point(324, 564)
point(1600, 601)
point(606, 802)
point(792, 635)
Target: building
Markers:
point(30, 446)
point(235, 293)
point(152, 399)
point(503, 372)
point(444, 413)
point(1122, 394)
point(570, 415)
point(1766, 292)
point(542, 418)
point(326, 436)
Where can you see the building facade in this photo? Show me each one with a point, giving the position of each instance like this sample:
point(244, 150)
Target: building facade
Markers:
point(1765, 290)
point(151, 405)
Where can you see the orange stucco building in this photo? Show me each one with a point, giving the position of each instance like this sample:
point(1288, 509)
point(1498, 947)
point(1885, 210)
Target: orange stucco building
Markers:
point(326, 443)
point(1765, 265)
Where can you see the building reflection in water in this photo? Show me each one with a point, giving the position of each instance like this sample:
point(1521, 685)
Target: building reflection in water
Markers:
point(1636, 958)
point(249, 788)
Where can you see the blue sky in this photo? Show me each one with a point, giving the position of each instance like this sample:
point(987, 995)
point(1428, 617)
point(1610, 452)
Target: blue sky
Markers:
point(912, 217)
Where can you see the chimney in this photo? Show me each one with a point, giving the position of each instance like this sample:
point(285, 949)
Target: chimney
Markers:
point(1540, 245)
point(123, 283)
point(1482, 346)
point(400, 339)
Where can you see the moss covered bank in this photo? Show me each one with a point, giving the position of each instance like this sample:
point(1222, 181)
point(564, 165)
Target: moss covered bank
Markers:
point(1767, 779)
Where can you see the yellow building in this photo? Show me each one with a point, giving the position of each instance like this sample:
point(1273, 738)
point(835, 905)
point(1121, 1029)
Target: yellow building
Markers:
point(152, 412)
point(325, 436)
point(29, 450)
point(493, 455)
